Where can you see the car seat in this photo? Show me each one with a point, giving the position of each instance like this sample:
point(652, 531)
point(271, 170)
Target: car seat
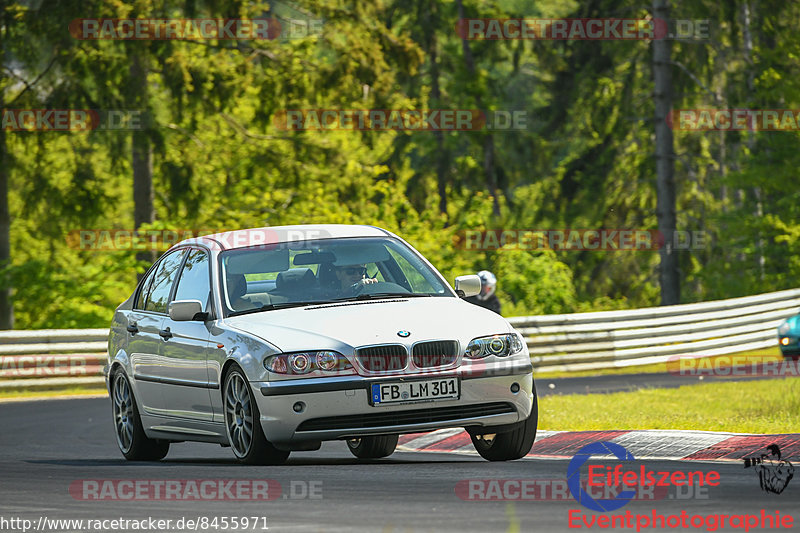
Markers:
point(295, 283)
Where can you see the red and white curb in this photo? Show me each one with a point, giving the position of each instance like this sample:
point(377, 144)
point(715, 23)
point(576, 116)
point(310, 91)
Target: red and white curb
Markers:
point(704, 446)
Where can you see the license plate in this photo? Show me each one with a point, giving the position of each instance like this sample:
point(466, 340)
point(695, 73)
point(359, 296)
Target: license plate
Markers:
point(415, 391)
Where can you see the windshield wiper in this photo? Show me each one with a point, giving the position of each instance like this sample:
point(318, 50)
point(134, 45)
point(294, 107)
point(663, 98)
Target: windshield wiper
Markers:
point(280, 305)
point(378, 295)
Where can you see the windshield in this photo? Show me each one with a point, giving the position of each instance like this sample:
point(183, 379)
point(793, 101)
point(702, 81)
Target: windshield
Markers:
point(329, 270)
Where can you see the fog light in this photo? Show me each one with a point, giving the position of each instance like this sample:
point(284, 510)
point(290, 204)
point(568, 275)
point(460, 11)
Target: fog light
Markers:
point(515, 388)
point(299, 407)
point(785, 341)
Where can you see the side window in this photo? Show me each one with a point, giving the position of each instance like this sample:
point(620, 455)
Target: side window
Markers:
point(194, 281)
point(142, 296)
point(165, 275)
point(418, 283)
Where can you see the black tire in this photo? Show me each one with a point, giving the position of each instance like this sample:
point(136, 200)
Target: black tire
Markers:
point(243, 423)
point(512, 444)
point(373, 447)
point(131, 438)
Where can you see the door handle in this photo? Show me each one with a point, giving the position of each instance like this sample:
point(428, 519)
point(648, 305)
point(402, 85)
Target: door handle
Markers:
point(133, 329)
point(165, 334)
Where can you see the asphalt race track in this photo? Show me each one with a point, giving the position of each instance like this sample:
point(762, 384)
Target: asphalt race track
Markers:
point(51, 451)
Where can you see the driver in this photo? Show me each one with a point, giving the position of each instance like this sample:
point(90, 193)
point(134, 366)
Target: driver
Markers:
point(352, 278)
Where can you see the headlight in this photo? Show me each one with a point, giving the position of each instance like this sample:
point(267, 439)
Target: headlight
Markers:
point(306, 362)
point(299, 363)
point(498, 345)
point(327, 360)
point(784, 328)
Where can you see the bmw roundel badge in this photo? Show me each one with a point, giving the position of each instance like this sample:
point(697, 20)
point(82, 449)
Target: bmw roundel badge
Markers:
point(403, 333)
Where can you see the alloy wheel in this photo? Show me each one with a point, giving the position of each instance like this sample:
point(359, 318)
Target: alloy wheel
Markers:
point(123, 412)
point(239, 414)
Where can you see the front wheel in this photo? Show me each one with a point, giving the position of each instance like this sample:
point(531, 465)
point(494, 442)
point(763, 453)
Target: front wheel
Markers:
point(243, 424)
point(373, 447)
point(512, 444)
point(131, 438)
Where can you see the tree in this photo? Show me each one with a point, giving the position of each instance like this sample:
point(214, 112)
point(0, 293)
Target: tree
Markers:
point(6, 307)
point(141, 149)
point(665, 161)
point(489, 164)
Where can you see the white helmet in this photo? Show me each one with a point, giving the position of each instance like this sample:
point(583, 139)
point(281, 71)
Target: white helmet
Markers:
point(488, 284)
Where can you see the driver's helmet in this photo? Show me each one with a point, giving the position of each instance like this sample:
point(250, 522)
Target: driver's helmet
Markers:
point(488, 284)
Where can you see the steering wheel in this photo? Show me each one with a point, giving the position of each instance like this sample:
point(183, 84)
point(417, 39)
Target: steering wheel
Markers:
point(357, 288)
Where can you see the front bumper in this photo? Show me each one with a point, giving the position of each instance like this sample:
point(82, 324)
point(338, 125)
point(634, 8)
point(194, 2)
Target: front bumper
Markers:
point(337, 408)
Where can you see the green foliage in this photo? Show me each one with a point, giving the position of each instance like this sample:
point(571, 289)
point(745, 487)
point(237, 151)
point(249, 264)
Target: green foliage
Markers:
point(222, 159)
point(534, 283)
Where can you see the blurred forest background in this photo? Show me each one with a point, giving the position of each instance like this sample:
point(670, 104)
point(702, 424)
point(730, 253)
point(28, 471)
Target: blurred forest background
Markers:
point(217, 160)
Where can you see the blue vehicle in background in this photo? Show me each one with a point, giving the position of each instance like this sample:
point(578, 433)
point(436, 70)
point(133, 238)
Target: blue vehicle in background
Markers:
point(789, 337)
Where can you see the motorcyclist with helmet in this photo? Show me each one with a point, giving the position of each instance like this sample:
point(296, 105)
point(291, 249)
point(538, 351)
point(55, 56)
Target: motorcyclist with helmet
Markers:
point(487, 297)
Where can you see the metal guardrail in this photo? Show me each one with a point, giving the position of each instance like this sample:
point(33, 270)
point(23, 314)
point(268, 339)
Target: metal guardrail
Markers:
point(52, 358)
point(615, 339)
point(55, 358)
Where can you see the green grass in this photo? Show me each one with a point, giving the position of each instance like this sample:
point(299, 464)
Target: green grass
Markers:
point(767, 354)
point(769, 406)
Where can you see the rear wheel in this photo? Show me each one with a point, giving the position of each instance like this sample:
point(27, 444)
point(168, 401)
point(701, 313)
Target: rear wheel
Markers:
point(373, 447)
point(131, 438)
point(243, 424)
point(512, 444)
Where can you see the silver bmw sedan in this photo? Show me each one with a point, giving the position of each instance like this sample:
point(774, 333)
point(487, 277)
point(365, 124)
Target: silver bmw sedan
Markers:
point(275, 339)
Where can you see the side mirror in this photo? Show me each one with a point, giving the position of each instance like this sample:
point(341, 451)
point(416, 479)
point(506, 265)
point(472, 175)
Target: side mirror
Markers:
point(183, 310)
point(468, 285)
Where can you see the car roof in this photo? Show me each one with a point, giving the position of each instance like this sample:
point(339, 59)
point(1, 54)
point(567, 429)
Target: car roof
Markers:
point(244, 238)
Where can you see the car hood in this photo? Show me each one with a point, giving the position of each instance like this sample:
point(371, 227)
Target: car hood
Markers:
point(352, 324)
point(794, 325)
